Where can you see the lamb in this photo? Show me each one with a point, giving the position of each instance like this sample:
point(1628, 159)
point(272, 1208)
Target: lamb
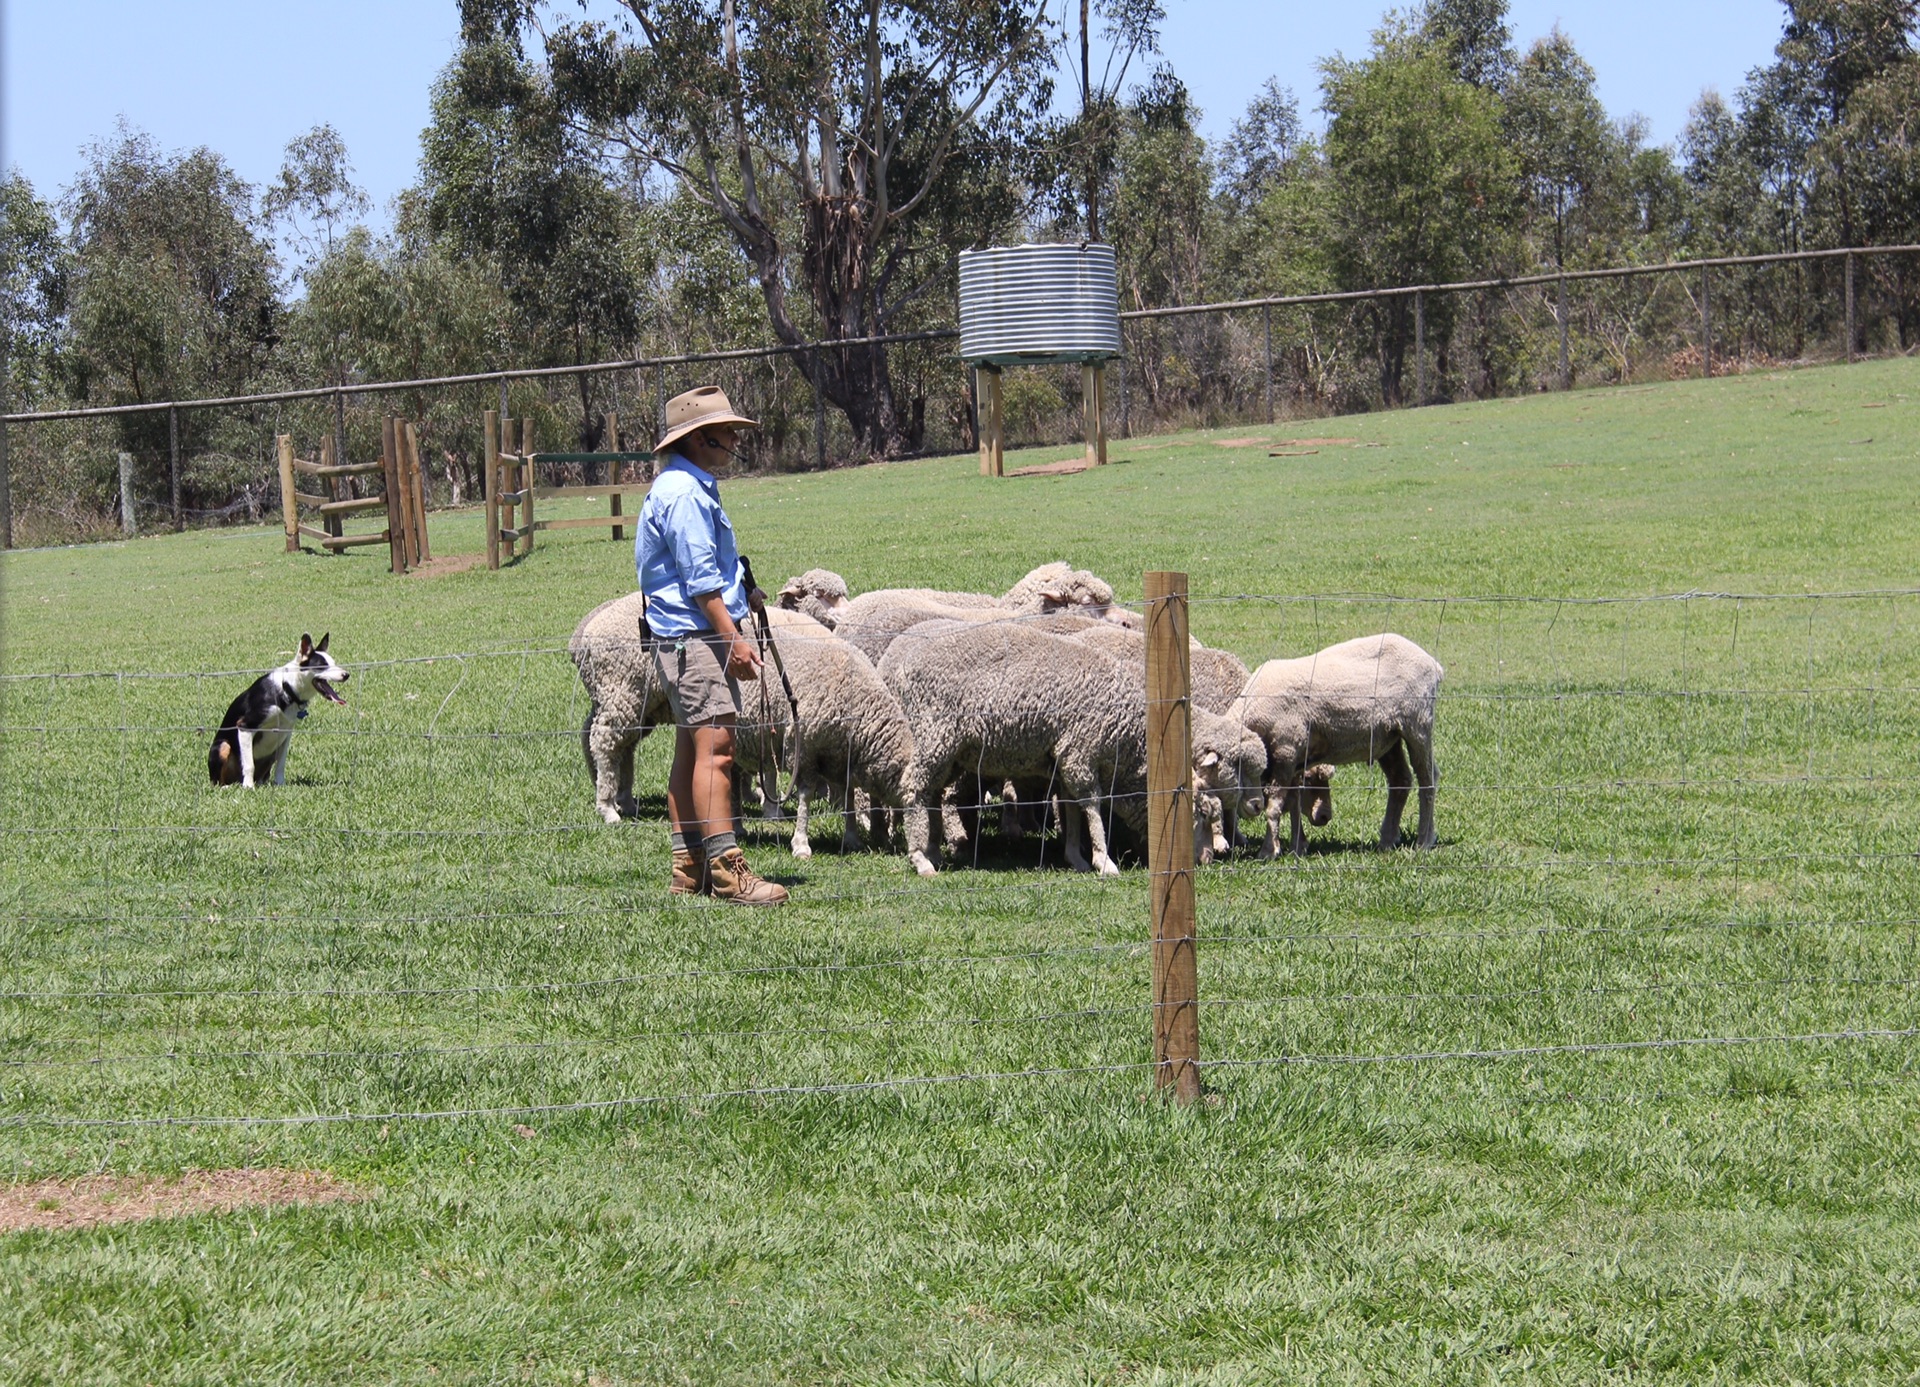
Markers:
point(853, 736)
point(1361, 701)
point(625, 700)
point(874, 619)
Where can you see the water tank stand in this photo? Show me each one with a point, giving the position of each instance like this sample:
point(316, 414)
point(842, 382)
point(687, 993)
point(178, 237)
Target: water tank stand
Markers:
point(1093, 405)
point(993, 419)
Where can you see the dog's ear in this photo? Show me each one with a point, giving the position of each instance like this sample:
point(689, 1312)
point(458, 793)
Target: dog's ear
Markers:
point(306, 645)
point(323, 641)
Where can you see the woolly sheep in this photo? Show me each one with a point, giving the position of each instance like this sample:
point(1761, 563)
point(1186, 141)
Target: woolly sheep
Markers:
point(853, 735)
point(1361, 701)
point(1004, 701)
point(818, 593)
point(625, 700)
point(874, 619)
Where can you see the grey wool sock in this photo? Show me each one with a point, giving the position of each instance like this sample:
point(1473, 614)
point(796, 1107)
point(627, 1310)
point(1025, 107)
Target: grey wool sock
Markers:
point(718, 844)
point(680, 843)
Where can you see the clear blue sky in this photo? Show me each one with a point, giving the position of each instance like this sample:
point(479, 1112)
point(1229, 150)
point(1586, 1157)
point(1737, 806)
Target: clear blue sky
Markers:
point(244, 78)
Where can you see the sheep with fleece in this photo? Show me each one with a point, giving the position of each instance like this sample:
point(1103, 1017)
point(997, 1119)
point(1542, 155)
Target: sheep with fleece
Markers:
point(1006, 702)
point(852, 738)
point(1369, 700)
point(625, 700)
point(874, 619)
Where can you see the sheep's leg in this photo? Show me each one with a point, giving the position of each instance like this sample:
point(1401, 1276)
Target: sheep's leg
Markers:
point(856, 818)
point(601, 739)
point(1276, 806)
point(1097, 837)
point(1080, 786)
point(1420, 748)
point(1393, 763)
point(952, 826)
point(918, 790)
point(800, 846)
point(1012, 813)
point(1068, 815)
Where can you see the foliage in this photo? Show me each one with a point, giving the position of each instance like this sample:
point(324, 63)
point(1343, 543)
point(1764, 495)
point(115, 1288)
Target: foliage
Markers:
point(34, 267)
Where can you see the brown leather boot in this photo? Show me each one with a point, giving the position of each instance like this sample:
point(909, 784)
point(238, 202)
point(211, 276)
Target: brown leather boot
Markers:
point(689, 874)
point(733, 880)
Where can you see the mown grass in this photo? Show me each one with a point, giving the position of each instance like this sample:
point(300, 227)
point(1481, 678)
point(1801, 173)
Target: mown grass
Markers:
point(1662, 820)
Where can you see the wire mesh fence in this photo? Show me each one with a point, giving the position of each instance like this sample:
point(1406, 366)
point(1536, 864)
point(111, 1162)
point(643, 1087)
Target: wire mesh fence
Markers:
point(1301, 356)
point(1676, 855)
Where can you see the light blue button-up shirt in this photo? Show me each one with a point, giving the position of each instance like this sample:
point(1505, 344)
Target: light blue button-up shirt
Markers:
point(684, 549)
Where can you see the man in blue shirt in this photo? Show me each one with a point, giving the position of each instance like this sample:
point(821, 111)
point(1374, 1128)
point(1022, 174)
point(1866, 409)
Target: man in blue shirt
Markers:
point(696, 600)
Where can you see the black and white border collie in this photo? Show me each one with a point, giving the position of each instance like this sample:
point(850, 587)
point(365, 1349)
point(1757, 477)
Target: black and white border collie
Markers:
point(258, 727)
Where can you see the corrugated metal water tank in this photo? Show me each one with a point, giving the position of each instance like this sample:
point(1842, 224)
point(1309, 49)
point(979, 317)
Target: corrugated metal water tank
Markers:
point(1031, 305)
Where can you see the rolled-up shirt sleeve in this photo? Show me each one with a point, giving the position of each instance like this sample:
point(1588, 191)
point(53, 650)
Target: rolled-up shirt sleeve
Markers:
point(689, 530)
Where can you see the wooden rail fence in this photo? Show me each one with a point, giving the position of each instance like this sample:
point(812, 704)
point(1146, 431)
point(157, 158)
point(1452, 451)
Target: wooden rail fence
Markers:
point(402, 502)
point(513, 486)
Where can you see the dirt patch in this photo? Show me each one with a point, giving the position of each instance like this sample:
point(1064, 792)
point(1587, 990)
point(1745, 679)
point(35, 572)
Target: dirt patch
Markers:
point(453, 563)
point(1240, 442)
point(91, 1200)
point(1062, 468)
point(1313, 442)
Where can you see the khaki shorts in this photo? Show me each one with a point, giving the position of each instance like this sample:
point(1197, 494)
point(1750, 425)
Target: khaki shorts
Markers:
point(694, 671)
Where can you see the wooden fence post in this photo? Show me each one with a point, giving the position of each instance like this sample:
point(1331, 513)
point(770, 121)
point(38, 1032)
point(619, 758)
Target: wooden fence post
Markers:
point(490, 452)
point(418, 495)
point(613, 445)
point(1706, 322)
point(1419, 347)
point(1093, 405)
point(173, 467)
point(129, 522)
point(1176, 988)
point(289, 503)
point(1267, 314)
point(1560, 312)
point(526, 485)
point(1850, 308)
point(396, 512)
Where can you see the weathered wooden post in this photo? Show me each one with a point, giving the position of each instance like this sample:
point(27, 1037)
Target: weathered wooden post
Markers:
point(173, 467)
point(1176, 989)
point(1850, 337)
point(1560, 312)
point(289, 503)
point(418, 495)
point(334, 486)
point(526, 486)
point(993, 443)
point(6, 486)
point(614, 503)
point(1419, 347)
point(1706, 322)
point(490, 461)
point(129, 522)
point(396, 512)
point(1267, 313)
point(1093, 406)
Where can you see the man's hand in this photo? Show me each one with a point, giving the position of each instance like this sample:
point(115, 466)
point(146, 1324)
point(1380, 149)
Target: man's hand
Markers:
point(756, 601)
point(743, 661)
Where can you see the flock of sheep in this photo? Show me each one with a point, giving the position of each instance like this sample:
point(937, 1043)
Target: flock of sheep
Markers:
point(928, 704)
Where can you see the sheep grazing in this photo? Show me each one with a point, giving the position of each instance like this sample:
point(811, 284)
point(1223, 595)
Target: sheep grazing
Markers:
point(852, 739)
point(1361, 701)
point(818, 593)
point(1217, 676)
point(873, 620)
point(1006, 703)
point(625, 700)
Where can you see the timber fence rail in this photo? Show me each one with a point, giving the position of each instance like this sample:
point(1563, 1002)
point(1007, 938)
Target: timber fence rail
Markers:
point(1292, 356)
point(1676, 859)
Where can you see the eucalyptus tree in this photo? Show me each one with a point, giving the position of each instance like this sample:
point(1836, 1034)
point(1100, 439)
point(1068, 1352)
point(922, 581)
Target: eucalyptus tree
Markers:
point(34, 266)
point(819, 133)
point(1568, 151)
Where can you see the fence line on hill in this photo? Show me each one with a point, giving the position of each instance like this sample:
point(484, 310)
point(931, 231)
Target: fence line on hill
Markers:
point(1677, 859)
point(1262, 360)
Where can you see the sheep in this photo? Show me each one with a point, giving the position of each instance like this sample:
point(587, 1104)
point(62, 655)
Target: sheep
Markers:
point(1000, 701)
point(852, 738)
point(1006, 701)
point(818, 593)
point(1361, 701)
point(872, 620)
point(625, 700)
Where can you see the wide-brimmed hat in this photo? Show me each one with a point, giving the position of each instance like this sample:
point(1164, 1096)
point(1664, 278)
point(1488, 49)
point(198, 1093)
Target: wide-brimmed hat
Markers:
point(699, 409)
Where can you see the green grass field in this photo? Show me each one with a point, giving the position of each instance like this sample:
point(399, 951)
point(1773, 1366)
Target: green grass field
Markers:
point(1616, 1083)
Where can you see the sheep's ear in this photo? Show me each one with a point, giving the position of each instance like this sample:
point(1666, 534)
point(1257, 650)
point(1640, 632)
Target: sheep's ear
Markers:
point(1053, 596)
point(1209, 759)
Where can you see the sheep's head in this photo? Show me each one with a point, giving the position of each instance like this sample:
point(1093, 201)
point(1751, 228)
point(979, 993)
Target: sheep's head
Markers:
point(818, 593)
point(1078, 591)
